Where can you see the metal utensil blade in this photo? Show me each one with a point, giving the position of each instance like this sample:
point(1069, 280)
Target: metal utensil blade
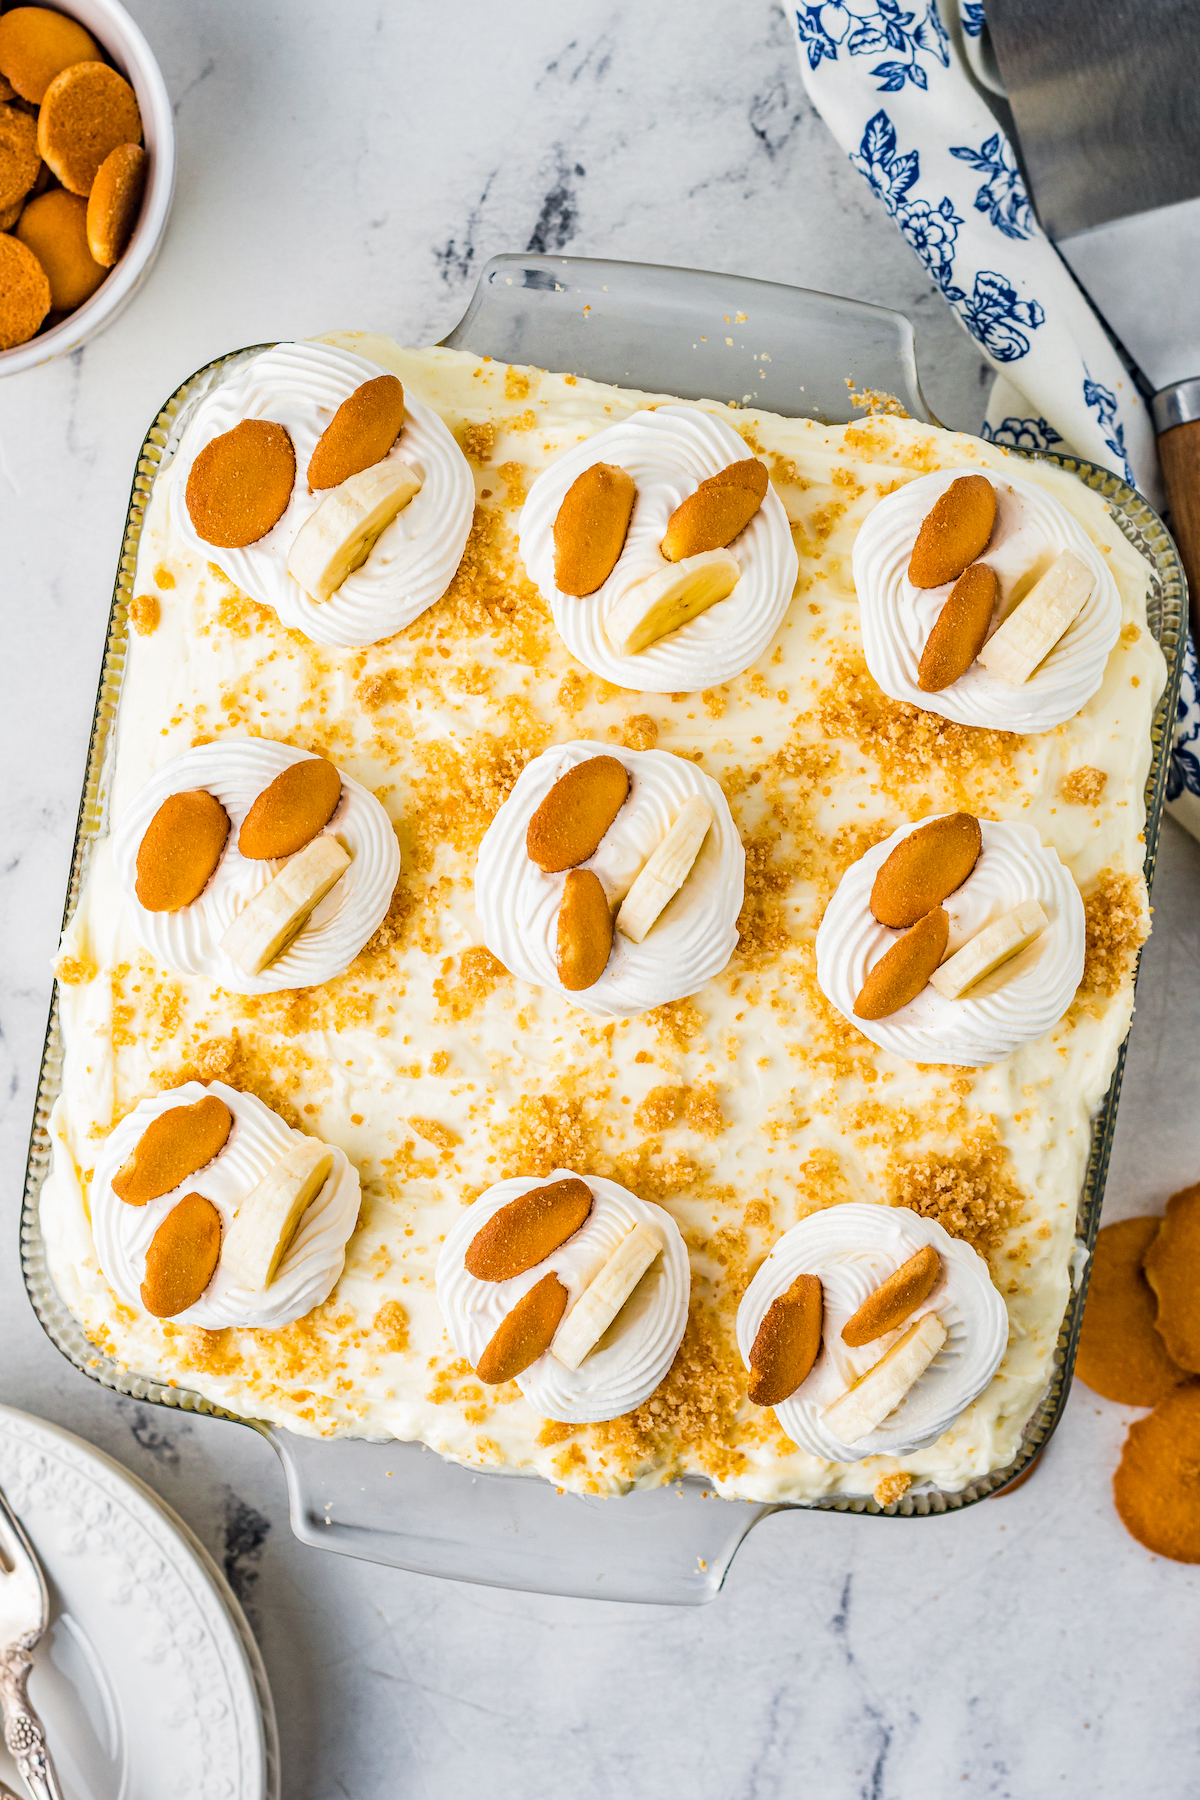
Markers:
point(1143, 276)
point(1107, 107)
point(24, 1605)
point(1107, 103)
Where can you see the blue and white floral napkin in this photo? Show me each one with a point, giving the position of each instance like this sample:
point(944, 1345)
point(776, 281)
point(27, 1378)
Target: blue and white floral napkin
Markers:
point(892, 83)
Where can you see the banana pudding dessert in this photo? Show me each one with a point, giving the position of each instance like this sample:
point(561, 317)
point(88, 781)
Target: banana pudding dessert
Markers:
point(610, 924)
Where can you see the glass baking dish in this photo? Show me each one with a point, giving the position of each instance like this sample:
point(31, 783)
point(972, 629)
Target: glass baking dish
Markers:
point(663, 330)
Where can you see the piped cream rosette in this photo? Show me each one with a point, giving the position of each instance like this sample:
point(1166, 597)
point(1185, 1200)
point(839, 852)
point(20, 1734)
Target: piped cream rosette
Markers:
point(313, 1260)
point(668, 452)
point(412, 562)
point(638, 1348)
point(694, 936)
point(1032, 529)
point(1022, 1000)
point(235, 771)
point(852, 1249)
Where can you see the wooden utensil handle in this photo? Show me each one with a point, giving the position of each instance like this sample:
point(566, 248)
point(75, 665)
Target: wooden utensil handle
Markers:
point(1179, 453)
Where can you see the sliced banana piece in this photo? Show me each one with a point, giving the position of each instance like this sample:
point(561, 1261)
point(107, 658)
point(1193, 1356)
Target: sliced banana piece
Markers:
point(604, 1296)
point(994, 945)
point(1033, 628)
point(665, 871)
point(269, 1216)
point(664, 601)
point(338, 538)
point(264, 928)
point(877, 1393)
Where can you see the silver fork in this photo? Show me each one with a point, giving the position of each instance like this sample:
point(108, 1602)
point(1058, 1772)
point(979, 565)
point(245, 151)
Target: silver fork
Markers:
point(24, 1615)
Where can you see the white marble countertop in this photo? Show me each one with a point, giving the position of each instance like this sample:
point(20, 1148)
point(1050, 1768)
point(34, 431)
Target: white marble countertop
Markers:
point(356, 164)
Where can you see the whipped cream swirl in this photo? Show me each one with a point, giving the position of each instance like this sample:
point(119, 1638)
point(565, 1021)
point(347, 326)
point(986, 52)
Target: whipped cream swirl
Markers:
point(639, 1346)
point(235, 771)
point(853, 1248)
point(669, 452)
point(314, 1258)
point(1019, 1002)
point(1032, 529)
point(413, 561)
point(694, 936)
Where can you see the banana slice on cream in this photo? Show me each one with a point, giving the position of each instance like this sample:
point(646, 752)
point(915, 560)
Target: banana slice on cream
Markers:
point(605, 1295)
point(666, 871)
point(660, 603)
point(879, 1392)
point(1029, 633)
point(270, 1215)
point(338, 538)
point(264, 928)
point(990, 948)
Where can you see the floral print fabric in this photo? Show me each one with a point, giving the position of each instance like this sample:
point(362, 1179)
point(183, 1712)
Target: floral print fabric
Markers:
point(891, 81)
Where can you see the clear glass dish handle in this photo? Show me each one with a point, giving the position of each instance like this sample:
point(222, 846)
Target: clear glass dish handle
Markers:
point(404, 1505)
point(694, 334)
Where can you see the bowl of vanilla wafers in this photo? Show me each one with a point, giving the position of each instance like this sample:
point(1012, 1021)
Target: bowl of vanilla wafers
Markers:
point(87, 174)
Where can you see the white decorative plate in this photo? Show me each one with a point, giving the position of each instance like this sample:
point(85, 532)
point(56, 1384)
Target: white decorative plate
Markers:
point(148, 1681)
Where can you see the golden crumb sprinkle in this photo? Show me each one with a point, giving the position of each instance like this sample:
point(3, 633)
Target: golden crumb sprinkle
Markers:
point(1117, 927)
point(874, 400)
point(478, 442)
point(1083, 786)
point(145, 611)
point(390, 1326)
point(890, 1488)
point(75, 971)
point(970, 1190)
point(914, 749)
point(639, 732)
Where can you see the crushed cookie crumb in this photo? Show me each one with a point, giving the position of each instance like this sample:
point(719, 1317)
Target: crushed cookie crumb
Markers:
point(1083, 786)
point(1117, 927)
point(145, 610)
point(893, 1487)
point(970, 1190)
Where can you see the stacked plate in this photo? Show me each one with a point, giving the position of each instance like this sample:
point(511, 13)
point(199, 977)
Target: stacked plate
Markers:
point(148, 1681)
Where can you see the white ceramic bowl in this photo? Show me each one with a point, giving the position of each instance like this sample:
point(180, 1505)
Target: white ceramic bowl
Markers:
point(123, 43)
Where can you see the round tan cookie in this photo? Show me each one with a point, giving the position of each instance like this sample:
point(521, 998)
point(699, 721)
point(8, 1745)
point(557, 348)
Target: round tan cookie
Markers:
point(37, 44)
point(289, 813)
point(180, 850)
point(24, 293)
point(182, 1257)
point(1157, 1483)
point(1172, 1265)
point(19, 160)
point(360, 434)
point(240, 484)
point(54, 227)
point(88, 110)
point(114, 202)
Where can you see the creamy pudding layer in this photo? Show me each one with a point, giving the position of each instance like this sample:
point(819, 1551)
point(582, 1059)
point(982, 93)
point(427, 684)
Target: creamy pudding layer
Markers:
point(740, 1110)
